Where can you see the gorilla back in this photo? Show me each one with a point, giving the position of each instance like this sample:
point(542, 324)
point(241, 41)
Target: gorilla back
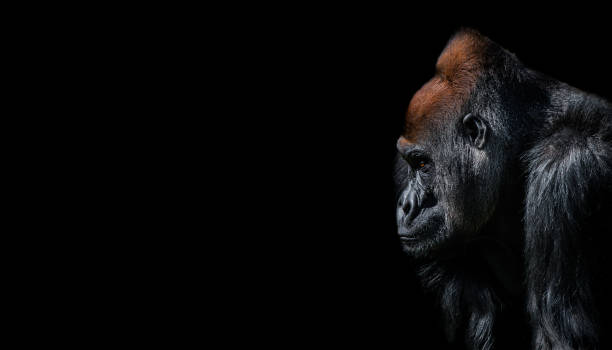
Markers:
point(504, 178)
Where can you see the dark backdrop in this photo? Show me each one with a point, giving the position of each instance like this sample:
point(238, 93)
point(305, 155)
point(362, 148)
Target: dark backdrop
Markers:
point(343, 87)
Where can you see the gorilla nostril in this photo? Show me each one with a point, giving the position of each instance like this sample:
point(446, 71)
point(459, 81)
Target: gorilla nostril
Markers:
point(409, 206)
point(405, 204)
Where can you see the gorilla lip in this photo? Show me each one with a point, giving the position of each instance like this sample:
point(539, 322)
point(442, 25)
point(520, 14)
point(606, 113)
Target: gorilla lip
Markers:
point(409, 238)
point(418, 229)
point(409, 234)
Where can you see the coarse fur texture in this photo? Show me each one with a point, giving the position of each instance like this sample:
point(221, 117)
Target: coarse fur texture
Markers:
point(504, 180)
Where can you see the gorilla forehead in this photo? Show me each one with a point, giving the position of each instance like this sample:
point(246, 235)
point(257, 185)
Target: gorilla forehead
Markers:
point(457, 71)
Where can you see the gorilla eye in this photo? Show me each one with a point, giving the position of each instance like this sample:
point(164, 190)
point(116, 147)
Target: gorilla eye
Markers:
point(417, 160)
point(422, 164)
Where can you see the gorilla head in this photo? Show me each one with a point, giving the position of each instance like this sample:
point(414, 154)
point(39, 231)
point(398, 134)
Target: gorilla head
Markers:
point(460, 144)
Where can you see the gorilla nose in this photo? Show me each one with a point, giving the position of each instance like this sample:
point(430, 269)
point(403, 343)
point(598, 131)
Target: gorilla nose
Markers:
point(409, 206)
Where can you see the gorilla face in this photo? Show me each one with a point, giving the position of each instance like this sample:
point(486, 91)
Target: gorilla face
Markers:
point(447, 184)
point(421, 218)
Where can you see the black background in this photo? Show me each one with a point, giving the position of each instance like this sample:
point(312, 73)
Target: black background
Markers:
point(331, 269)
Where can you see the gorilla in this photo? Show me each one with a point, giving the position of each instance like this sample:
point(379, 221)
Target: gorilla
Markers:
point(504, 184)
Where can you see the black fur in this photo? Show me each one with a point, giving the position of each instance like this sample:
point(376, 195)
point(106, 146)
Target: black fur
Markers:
point(519, 229)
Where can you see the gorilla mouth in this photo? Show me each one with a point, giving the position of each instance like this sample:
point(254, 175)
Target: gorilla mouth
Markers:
point(426, 224)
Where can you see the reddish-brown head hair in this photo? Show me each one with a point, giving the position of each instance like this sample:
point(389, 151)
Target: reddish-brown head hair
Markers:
point(457, 71)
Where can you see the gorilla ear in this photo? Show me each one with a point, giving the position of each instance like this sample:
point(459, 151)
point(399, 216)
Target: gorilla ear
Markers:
point(476, 129)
